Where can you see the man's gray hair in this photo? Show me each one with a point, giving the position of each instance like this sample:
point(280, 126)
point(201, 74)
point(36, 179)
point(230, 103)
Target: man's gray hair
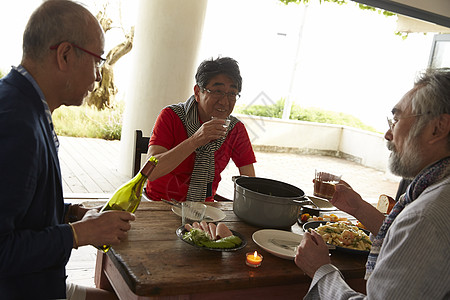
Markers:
point(431, 97)
point(53, 22)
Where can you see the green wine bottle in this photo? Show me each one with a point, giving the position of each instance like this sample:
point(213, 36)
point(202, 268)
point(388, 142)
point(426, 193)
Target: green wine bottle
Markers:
point(128, 196)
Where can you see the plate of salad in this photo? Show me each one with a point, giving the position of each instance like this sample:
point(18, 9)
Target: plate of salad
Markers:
point(200, 239)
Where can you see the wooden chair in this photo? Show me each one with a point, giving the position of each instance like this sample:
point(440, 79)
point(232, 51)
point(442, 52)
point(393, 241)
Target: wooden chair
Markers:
point(141, 147)
point(219, 198)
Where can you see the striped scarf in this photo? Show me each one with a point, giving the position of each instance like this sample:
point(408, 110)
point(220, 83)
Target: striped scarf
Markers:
point(200, 186)
point(427, 177)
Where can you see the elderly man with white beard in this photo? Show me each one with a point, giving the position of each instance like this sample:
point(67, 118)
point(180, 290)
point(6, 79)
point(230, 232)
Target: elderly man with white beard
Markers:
point(409, 257)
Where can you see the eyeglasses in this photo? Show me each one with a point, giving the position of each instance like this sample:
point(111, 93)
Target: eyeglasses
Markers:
point(219, 94)
point(392, 121)
point(98, 64)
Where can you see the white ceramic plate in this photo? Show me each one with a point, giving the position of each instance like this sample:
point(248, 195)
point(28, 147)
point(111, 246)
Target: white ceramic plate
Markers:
point(214, 214)
point(272, 241)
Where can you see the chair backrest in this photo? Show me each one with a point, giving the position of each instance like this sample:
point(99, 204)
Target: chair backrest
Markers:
point(141, 147)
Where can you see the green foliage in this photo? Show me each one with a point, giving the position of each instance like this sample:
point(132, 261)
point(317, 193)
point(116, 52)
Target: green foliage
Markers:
point(2, 73)
point(304, 114)
point(87, 121)
point(274, 110)
point(341, 2)
point(403, 35)
point(380, 11)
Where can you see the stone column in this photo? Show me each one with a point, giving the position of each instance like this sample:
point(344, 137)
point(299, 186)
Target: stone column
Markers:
point(166, 42)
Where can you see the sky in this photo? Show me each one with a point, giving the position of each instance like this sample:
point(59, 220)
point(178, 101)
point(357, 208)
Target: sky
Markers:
point(347, 60)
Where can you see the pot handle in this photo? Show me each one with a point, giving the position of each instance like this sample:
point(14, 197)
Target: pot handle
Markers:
point(305, 201)
point(234, 178)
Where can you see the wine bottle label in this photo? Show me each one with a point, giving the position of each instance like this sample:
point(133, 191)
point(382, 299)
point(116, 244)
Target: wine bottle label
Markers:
point(149, 166)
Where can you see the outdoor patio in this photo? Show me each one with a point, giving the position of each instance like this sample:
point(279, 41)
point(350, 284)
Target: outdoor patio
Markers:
point(90, 168)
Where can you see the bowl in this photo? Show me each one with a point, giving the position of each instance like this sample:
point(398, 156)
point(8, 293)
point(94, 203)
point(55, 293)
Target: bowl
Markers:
point(315, 224)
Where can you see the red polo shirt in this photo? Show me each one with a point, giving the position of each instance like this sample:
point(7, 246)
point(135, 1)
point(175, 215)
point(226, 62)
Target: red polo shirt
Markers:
point(169, 131)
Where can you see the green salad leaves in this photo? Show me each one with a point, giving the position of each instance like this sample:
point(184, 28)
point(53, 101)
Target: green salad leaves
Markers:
point(200, 238)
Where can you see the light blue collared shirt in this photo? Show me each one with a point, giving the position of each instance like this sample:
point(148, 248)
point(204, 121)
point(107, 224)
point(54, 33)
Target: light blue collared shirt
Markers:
point(48, 113)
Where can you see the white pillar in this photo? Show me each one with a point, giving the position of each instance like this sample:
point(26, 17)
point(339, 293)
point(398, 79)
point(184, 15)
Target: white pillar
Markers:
point(167, 38)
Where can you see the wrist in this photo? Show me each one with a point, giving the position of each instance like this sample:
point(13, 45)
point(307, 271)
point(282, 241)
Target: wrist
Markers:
point(75, 236)
point(194, 142)
point(364, 208)
point(75, 213)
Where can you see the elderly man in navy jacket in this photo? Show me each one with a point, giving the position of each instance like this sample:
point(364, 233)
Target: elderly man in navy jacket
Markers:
point(62, 47)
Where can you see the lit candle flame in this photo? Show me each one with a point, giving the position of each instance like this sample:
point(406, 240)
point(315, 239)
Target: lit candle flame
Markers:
point(253, 259)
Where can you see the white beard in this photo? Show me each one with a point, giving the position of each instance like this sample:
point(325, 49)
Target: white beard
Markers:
point(407, 164)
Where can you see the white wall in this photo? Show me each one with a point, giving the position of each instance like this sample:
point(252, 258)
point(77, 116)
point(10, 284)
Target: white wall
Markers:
point(360, 146)
point(367, 146)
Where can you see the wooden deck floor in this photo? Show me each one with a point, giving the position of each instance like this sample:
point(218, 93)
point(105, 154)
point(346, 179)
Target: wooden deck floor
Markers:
point(90, 165)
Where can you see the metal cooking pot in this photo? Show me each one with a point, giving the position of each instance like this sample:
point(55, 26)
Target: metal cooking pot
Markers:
point(267, 203)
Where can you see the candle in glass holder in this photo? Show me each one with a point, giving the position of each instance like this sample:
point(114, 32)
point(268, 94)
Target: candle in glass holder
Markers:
point(253, 259)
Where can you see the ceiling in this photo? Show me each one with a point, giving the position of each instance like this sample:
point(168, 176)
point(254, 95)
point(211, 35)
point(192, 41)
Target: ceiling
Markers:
point(434, 11)
point(408, 25)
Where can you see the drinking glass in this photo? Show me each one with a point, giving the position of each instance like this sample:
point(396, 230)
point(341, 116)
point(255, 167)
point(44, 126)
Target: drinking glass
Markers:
point(324, 184)
point(192, 211)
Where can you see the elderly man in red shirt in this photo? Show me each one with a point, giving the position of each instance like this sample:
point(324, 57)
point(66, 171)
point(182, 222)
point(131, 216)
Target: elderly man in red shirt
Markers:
point(195, 140)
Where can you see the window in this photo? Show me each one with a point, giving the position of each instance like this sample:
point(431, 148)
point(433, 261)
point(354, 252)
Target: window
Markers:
point(440, 52)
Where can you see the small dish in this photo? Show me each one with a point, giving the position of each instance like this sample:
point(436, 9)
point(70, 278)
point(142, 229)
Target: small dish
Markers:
point(321, 204)
point(212, 214)
point(181, 231)
point(280, 243)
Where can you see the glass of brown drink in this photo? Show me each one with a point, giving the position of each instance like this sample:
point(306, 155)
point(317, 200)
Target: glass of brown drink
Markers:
point(324, 184)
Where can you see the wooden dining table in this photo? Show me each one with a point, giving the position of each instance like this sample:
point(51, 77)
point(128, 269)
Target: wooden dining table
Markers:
point(154, 263)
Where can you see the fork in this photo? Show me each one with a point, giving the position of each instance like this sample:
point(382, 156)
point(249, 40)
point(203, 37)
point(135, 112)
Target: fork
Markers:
point(174, 203)
point(289, 245)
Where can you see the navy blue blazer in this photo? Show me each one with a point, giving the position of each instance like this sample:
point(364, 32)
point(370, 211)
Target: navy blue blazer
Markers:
point(35, 244)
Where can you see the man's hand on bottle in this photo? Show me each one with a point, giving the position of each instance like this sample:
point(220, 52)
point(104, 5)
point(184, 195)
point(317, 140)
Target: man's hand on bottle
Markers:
point(107, 228)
